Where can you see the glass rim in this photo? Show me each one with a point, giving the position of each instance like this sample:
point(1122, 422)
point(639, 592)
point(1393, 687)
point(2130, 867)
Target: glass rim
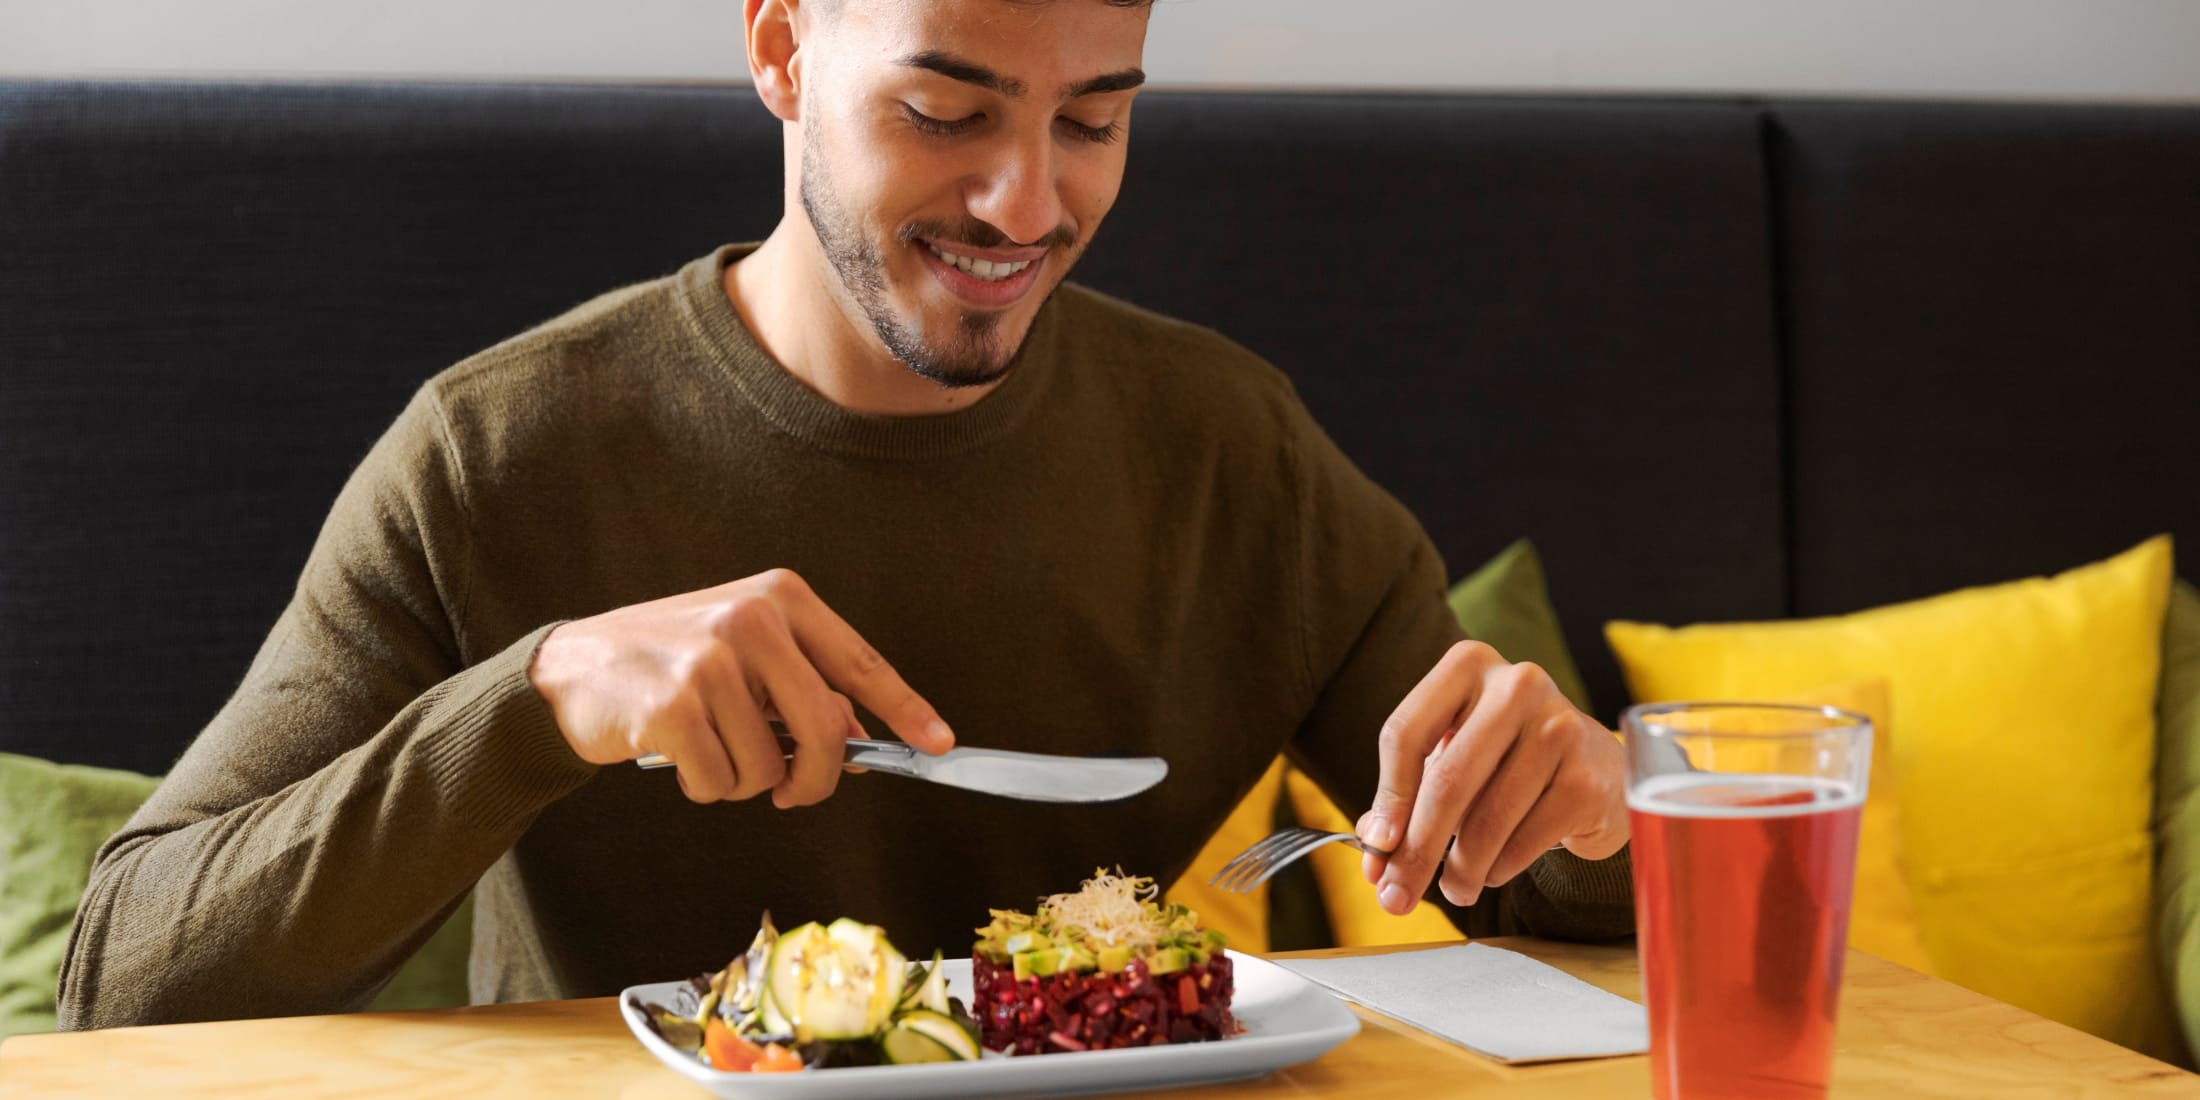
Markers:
point(1643, 716)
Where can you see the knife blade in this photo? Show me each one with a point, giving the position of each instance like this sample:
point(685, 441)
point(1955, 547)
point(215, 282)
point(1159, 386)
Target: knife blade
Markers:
point(1031, 776)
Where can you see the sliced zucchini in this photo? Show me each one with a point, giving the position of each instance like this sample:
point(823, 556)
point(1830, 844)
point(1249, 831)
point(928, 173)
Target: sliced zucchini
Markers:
point(943, 1029)
point(837, 982)
point(927, 987)
point(908, 1046)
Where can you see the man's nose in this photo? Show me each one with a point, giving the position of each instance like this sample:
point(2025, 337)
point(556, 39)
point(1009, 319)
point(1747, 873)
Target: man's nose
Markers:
point(1017, 194)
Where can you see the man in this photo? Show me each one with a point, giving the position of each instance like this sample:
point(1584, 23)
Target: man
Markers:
point(701, 505)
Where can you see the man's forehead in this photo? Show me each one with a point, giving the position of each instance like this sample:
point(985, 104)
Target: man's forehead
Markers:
point(1067, 36)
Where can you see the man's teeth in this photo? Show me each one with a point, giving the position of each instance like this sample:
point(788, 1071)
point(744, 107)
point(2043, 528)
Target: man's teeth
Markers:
point(983, 269)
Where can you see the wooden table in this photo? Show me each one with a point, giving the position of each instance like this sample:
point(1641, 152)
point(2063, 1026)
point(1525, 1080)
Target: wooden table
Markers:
point(1901, 1035)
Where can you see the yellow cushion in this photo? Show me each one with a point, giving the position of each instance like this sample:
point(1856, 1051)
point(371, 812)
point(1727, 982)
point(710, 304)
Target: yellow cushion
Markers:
point(1882, 918)
point(1354, 916)
point(1347, 899)
point(1241, 917)
point(2023, 768)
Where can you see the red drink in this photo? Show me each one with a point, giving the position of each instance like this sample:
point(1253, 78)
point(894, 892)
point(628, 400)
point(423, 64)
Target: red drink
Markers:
point(1742, 889)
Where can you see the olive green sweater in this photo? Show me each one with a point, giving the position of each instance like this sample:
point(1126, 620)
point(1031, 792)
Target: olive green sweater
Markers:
point(1138, 543)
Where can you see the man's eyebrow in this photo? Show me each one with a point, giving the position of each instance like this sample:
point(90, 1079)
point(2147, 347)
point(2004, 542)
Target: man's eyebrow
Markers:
point(969, 72)
point(955, 68)
point(1122, 81)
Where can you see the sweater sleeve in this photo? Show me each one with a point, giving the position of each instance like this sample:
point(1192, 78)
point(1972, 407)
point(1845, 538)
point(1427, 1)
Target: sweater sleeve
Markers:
point(1374, 622)
point(337, 809)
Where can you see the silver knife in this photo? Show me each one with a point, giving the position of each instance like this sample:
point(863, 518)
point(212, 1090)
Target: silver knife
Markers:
point(1032, 776)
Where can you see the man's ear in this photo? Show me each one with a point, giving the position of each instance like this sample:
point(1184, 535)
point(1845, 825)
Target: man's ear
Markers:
point(774, 56)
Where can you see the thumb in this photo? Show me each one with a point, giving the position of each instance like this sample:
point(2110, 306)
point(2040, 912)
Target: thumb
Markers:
point(1384, 824)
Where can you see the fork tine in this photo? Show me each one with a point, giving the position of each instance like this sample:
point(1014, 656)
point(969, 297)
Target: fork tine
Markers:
point(1250, 859)
point(1275, 857)
point(1281, 848)
point(1281, 862)
point(1251, 853)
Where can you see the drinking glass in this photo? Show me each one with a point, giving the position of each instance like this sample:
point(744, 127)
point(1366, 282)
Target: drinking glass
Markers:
point(1745, 819)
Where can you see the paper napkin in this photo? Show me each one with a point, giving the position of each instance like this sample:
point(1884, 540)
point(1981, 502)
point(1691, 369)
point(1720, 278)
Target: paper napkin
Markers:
point(1495, 1002)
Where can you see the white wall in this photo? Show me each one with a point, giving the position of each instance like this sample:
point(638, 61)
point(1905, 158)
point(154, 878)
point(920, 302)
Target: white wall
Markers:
point(2086, 49)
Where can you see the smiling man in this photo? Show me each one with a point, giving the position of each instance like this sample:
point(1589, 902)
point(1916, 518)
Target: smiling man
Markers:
point(937, 196)
point(886, 463)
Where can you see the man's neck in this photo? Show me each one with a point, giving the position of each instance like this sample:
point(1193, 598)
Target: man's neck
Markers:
point(784, 293)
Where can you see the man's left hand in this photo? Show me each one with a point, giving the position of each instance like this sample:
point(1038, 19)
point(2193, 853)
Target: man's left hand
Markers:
point(1489, 752)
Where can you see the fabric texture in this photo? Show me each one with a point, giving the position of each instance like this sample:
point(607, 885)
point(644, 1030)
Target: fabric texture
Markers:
point(1227, 586)
point(53, 818)
point(2177, 811)
point(2023, 763)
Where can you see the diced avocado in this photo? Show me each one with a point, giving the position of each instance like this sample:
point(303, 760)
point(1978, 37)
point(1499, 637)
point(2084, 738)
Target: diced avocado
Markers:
point(1113, 960)
point(1216, 941)
point(1038, 963)
point(1078, 959)
point(1167, 960)
point(1019, 942)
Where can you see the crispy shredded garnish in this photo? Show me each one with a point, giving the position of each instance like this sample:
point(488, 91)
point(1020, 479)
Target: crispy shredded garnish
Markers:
point(1112, 910)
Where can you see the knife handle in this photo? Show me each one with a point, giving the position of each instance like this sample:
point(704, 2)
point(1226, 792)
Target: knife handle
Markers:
point(890, 755)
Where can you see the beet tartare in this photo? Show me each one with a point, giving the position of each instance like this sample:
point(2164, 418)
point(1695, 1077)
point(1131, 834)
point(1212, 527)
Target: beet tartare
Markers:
point(1102, 968)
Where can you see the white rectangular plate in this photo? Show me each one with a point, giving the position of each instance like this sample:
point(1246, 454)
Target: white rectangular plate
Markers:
point(1287, 1020)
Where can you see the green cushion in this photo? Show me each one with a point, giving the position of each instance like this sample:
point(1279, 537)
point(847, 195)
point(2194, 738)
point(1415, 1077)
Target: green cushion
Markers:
point(1506, 604)
point(2177, 808)
point(53, 818)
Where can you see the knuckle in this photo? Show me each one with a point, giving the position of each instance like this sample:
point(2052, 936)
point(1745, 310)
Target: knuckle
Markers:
point(699, 787)
point(748, 617)
point(1581, 786)
point(1554, 731)
point(686, 674)
point(662, 704)
point(1410, 864)
point(782, 583)
point(770, 771)
point(817, 789)
point(868, 661)
point(1504, 688)
point(1470, 653)
point(1395, 736)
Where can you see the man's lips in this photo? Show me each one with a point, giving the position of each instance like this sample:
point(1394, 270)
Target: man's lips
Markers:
point(990, 278)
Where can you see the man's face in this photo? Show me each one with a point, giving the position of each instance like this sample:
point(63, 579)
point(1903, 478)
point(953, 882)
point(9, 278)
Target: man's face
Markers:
point(957, 156)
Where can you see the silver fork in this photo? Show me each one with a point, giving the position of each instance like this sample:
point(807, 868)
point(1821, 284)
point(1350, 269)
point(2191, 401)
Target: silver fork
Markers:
point(1276, 851)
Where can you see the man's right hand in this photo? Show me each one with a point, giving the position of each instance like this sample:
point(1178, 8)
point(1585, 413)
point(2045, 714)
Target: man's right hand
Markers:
point(698, 676)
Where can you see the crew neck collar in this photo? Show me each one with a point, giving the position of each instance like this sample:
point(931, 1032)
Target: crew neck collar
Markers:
point(793, 407)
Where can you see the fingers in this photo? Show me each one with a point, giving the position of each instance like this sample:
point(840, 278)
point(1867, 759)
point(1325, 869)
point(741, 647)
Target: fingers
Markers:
point(1496, 820)
point(705, 771)
point(856, 732)
point(1428, 714)
point(1454, 778)
point(852, 665)
point(1599, 786)
point(815, 715)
